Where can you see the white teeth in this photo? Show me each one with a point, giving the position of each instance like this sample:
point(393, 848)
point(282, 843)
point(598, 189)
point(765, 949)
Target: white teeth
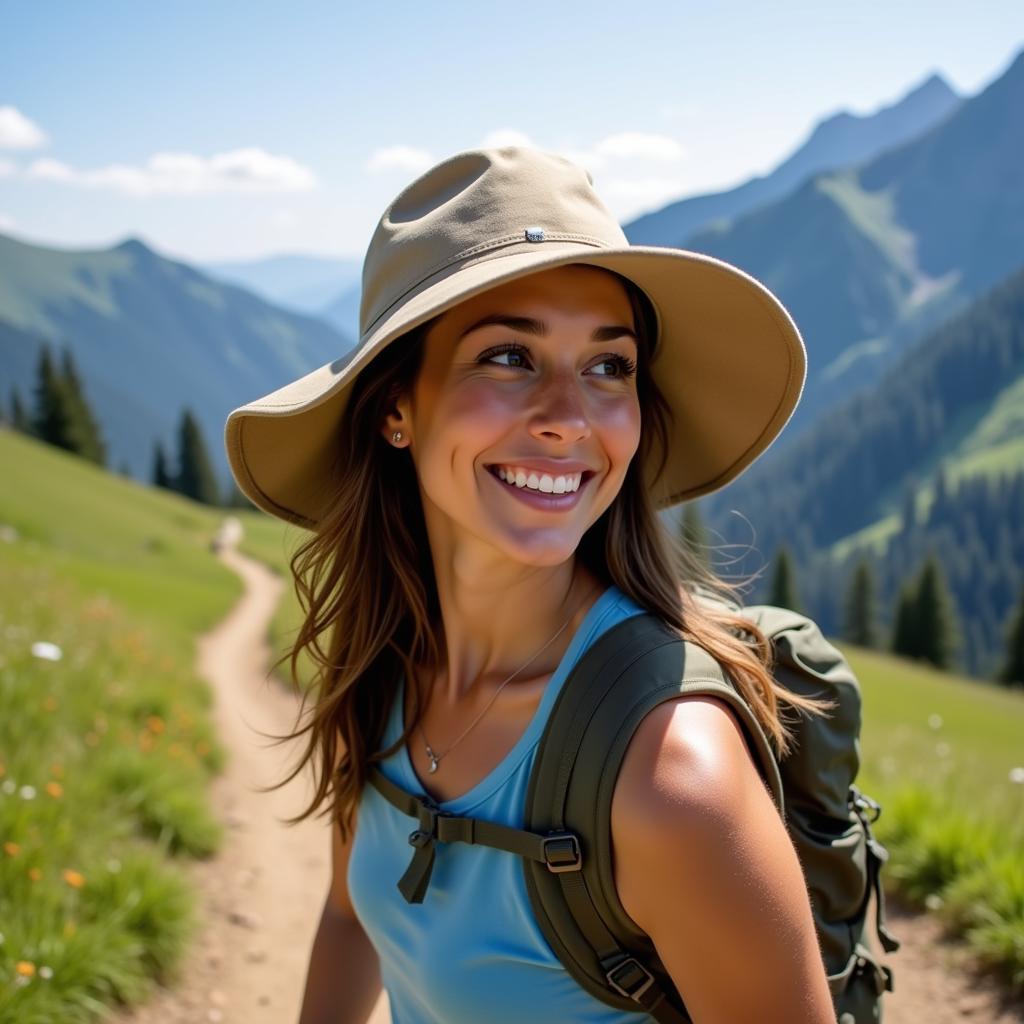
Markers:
point(541, 481)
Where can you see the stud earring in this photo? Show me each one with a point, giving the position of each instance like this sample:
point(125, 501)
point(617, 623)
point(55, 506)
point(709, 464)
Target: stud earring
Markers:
point(396, 436)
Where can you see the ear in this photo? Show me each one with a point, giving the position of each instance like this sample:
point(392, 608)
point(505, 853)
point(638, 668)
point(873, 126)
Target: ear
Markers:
point(396, 421)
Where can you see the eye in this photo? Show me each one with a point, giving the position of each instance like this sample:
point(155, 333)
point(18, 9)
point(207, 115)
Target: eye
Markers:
point(509, 348)
point(625, 366)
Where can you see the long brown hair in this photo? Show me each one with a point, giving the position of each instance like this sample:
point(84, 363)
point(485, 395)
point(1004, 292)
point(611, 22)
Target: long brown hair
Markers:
point(366, 586)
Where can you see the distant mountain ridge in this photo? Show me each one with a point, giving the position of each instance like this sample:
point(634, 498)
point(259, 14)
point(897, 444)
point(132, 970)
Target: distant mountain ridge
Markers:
point(842, 140)
point(150, 335)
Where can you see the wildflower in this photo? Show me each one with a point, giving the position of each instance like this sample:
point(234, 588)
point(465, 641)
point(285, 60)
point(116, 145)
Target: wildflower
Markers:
point(46, 972)
point(155, 723)
point(74, 878)
point(35, 874)
point(1017, 775)
point(57, 770)
point(25, 968)
point(942, 749)
point(11, 849)
point(47, 651)
point(27, 792)
point(935, 721)
point(8, 785)
point(3, 769)
point(202, 748)
point(933, 901)
point(55, 789)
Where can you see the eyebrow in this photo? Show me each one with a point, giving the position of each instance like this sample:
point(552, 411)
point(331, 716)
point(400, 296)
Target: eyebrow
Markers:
point(528, 325)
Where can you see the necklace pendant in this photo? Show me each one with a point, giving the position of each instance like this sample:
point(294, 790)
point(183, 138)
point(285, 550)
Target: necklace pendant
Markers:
point(433, 760)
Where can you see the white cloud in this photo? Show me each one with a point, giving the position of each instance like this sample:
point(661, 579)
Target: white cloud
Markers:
point(7, 168)
point(399, 158)
point(239, 170)
point(629, 197)
point(17, 131)
point(639, 146)
point(6, 223)
point(283, 219)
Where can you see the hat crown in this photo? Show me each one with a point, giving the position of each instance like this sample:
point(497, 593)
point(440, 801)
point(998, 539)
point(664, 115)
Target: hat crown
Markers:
point(477, 205)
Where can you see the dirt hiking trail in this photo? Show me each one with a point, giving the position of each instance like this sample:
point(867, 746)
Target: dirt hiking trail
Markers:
point(261, 896)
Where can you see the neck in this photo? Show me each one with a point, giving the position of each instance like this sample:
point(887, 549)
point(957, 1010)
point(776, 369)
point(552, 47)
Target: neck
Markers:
point(495, 615)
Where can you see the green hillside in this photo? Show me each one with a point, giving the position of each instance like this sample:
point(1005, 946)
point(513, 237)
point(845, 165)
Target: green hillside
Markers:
point(106, 741)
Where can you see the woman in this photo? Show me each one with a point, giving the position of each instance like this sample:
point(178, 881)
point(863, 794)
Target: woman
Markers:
point(481, 476)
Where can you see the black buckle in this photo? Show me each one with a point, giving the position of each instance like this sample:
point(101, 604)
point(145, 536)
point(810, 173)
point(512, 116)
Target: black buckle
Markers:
point(630, 978)
point(562, 852)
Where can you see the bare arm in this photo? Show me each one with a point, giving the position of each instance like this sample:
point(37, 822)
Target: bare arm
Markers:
point(704, 865)
point(343, 981)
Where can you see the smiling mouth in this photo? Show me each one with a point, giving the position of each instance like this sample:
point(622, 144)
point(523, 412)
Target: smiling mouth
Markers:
point(585, 475)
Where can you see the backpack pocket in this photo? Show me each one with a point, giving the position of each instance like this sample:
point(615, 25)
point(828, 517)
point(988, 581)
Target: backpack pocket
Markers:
point(857, 989)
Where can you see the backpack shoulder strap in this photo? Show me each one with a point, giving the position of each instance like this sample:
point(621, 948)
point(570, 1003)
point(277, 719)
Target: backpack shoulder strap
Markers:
point(636, 665)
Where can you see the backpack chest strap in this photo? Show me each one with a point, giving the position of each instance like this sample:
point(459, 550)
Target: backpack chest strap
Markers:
point(558, 851)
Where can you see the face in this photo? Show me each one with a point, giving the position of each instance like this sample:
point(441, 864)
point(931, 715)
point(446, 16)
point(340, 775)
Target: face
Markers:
point(550, 393)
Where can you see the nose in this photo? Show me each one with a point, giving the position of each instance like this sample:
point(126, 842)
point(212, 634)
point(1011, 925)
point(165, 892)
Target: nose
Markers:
point(560, 413)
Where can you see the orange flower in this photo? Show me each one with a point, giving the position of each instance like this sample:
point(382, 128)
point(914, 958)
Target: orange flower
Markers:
point(54, 788)
point(35, 874)
point(155, 723)
point(73, 878)
point(145, 740)
point(57, 770)
point(25, 968)
point(12, 849)
point(202, 748)
point(175, 750)
point(3, 769)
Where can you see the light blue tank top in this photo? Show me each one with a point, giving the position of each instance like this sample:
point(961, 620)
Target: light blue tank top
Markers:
point(472, 951)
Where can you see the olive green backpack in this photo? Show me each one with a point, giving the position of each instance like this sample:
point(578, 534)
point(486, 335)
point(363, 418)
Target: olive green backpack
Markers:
point(566, 845)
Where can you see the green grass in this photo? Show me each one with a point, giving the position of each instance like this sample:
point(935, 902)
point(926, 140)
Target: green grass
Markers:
point(105, 754)
point(943, 755)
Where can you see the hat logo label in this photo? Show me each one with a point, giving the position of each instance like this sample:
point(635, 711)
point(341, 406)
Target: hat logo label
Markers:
point(534, 234)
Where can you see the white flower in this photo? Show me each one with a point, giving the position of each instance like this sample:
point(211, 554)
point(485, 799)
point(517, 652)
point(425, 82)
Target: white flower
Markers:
point(8, 785)
point(1017, 775)
point(27, 793)
point(46, 972)
point(942, 749)
point(44, 649)
point(935, 721)
point(933, 901)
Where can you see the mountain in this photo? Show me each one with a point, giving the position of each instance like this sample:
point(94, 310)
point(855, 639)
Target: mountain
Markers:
point(868, 259)
point(842, 140)
point(304, 284)
point(953, 408)
point(149, 336)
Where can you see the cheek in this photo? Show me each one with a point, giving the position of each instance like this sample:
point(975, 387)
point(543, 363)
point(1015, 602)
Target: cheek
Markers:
point(620, 427)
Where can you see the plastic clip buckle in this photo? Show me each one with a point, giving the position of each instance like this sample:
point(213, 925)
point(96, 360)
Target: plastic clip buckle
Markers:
point(630, 978)
point(562, 852)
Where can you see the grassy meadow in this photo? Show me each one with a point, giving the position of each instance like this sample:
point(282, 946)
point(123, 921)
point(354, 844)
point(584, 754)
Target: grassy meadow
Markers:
point(107, 746)
point(106, 740)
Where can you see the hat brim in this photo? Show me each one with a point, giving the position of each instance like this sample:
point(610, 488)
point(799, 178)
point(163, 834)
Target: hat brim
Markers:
point(729, 361)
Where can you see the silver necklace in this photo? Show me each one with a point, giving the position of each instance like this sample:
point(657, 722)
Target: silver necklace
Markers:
point(436, 758)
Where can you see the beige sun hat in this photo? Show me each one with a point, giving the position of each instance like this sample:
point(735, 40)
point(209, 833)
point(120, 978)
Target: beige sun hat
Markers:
point(729, 359)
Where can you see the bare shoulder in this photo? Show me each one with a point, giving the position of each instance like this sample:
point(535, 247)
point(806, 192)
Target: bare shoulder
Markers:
point(704, 865)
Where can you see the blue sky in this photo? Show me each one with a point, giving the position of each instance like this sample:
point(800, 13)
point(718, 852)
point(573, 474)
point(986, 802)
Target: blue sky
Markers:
point(231, 130)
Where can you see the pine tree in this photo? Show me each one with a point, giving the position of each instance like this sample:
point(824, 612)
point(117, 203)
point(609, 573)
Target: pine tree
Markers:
point(86, 439)
point(693, 534)
point(53, 415)
point(1012, 671)
point(783, 589)
point(196, 478)
point(20, 419)
point(859, 625)
point(162, 476)
point(905, 632)
point(935, 617)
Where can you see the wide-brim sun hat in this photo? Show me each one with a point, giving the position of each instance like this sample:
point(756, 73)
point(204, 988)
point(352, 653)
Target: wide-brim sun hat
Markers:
point(728, 358)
